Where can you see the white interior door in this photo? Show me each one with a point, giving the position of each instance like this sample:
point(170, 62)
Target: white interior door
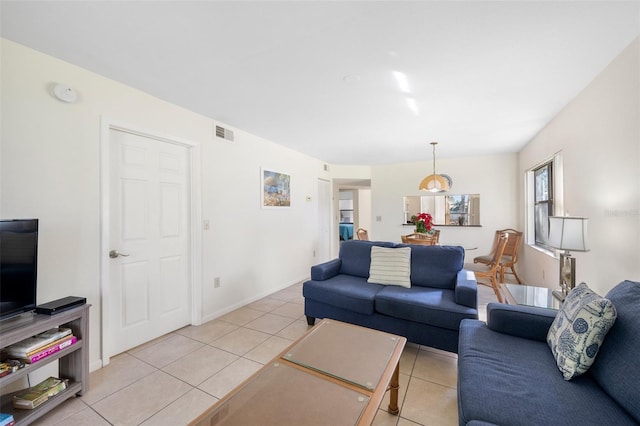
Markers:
point(150, 281)
point(324, 221)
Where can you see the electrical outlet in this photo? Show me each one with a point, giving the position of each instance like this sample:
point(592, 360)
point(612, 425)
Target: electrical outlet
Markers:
point(205, 225)
point(314, 253)
point(216, 282)
point(543, 275)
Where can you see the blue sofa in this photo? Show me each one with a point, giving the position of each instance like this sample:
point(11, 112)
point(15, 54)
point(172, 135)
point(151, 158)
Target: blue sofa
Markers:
point(441, 295)
point(508, 376)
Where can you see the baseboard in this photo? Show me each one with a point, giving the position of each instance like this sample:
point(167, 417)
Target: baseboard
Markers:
point(95, 365)
point(247, 301)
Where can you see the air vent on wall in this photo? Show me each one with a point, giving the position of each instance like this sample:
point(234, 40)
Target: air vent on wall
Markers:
point(223, 133)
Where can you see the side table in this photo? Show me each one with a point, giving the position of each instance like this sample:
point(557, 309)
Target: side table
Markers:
point(541, 297)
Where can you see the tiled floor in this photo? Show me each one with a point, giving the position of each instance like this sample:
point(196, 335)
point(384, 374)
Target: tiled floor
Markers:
point(173, 379)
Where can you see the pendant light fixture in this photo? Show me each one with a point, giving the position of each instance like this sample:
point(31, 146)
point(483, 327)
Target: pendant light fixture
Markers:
point(435, 182)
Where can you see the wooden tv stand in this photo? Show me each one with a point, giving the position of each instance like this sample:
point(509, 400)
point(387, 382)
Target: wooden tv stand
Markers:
point(73, 362)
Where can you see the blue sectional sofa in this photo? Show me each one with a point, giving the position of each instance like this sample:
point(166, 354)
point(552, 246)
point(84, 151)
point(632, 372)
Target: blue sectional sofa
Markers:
point(507, 374)
point(441, 295)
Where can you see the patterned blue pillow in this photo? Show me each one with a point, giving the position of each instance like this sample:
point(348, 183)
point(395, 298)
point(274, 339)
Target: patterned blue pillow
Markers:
point(579, 329)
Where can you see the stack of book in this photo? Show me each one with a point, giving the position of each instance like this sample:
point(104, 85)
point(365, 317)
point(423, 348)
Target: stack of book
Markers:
point(6, 419)
point(41, 346)
point(32, 397)
point(10, 366)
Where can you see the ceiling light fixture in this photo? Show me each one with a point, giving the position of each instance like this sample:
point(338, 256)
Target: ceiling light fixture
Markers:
point(435, 182)
point(351, 78)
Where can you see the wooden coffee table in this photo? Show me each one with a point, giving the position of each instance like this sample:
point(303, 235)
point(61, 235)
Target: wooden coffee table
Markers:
point(336, 374)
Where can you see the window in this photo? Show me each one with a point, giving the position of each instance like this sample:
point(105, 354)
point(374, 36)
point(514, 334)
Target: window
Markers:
point(543, 198)
point(543, 202)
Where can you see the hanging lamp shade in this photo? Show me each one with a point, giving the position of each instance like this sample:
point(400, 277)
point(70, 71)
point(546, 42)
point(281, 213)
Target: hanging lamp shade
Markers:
point(435, 182)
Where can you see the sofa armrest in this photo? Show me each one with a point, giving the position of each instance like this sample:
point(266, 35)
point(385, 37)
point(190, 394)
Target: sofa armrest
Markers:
point(326, 270)
point(522, 321)
point(466, 292)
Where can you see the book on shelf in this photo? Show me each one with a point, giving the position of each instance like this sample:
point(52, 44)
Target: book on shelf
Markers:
point(49, 350)
point(10, 366)
point(37, 395)
point(43, 348)
point(6, 419)
point(22, 348)
point(4, 370)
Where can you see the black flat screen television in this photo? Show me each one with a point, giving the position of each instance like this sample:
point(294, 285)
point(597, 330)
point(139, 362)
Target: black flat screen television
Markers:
point(18, 266)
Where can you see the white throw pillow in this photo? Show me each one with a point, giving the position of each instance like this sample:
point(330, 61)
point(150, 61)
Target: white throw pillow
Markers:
point(579, 329)
point(390, 266)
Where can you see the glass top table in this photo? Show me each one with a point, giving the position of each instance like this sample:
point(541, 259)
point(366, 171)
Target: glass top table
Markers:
point(347, 361)
point(335, 374)
point(541, 297)
point(282, 394)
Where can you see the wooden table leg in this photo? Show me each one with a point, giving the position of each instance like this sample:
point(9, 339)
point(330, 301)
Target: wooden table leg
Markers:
point(394, 385)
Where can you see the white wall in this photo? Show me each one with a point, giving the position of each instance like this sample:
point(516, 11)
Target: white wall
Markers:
point(364, 209)
point(253, 250)
point(50, 169)
point(598, 134)
point(493, 177)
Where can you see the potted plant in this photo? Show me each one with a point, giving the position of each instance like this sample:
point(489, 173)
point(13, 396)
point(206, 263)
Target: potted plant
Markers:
point(423, 222)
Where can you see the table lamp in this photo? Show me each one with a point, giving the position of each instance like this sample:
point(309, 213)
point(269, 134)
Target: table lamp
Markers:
point(568, 234)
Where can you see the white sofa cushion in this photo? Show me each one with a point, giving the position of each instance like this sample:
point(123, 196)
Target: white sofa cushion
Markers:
point(390, 266)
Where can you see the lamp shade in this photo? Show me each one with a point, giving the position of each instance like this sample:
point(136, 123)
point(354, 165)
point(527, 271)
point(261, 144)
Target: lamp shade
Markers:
point(568, 233)
point(434, 183)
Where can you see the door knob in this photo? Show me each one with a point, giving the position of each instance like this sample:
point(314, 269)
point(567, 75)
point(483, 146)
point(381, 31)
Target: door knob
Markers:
point(115, 253)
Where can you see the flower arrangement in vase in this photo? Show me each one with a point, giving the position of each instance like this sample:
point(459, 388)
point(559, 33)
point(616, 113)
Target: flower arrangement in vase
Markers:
point(423, 222)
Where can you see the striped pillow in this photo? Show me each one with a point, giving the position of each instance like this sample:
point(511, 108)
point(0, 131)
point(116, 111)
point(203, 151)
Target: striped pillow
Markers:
point(390, 266)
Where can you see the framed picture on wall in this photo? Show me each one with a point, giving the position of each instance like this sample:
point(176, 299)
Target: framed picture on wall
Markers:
point(276, 189)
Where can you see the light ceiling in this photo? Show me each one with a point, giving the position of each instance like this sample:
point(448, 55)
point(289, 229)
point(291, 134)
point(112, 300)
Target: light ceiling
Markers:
point(347, 82)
